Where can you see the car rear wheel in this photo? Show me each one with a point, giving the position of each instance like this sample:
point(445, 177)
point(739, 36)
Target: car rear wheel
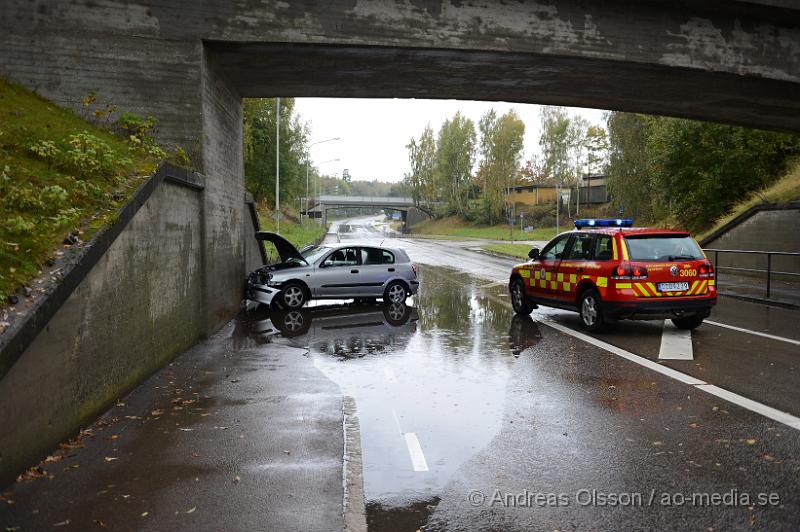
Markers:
point(396, 292)
point(520, 301)
point(590, 307)
point(293, 296)
point(691, 322)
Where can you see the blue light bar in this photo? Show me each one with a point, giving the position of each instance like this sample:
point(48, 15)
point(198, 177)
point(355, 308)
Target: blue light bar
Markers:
point(603, 222)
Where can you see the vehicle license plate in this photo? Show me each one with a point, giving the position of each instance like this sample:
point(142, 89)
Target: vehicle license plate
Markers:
point(673, 287)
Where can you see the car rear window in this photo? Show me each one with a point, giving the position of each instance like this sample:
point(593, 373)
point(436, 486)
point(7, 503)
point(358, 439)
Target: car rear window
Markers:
point(662, 248)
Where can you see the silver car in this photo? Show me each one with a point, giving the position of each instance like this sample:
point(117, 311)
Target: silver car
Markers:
point(331, 271)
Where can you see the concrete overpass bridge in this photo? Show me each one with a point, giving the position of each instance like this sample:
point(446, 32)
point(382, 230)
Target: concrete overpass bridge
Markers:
point(411, 214)
point(190, 64)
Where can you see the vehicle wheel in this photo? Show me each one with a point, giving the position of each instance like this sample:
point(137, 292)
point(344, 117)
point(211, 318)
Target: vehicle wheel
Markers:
point(520, 302)
point(591, 310)
point(395, 293)
point(396, 314)
point(691, 322)
point(293, 296)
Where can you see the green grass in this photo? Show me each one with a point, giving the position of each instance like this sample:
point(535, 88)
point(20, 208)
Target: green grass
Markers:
point(785, 189)
point(512, 250)
point(78, 179)
point(455, 227)
point(301, 235)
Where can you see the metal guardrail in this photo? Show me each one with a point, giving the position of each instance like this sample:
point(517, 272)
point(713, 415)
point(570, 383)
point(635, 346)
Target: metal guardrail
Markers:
point(768, 271)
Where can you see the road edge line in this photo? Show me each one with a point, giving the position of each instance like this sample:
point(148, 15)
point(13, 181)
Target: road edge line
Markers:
point(739, 400)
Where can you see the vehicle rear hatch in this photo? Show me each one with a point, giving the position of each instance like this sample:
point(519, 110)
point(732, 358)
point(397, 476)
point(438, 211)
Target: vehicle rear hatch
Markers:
point(670, 265)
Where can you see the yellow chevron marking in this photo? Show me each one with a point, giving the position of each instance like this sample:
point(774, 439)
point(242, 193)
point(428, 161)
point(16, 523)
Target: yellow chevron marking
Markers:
point(641, 289)
point(573, 278)
point(652, 287)
point(623, 285)
point(702, 288)
point(602, 282)
point(691, 288)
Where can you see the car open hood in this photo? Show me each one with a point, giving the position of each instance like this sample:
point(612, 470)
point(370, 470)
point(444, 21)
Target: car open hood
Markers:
point(285, 248)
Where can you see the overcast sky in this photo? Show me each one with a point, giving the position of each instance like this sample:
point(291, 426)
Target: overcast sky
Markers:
point(374, 132)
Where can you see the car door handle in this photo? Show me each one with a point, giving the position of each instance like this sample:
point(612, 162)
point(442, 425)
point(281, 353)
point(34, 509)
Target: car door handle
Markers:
point(391, 269)
point(353, 271)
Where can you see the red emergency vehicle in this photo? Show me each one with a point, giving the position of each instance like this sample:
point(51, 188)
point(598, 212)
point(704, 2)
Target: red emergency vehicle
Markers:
point(607, 270)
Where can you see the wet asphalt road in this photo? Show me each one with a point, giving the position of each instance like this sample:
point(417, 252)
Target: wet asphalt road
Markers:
point(507, 407)
point(471, 418)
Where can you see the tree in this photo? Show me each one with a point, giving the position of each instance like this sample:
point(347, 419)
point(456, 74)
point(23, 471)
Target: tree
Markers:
point(422, 156)
point(501, 148)
point(259, 149)
point(597, 149)
point(629, 174)
point(701, 169)
point(455, 156)
point(556, 141)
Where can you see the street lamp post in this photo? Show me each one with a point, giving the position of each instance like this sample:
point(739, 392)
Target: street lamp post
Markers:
point(308, 156)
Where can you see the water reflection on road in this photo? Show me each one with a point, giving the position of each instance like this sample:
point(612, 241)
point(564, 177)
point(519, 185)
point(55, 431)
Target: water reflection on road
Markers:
point(445, 384)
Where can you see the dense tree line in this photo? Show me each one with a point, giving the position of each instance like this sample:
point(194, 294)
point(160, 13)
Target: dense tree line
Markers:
point(467, 170)
point(690, 172)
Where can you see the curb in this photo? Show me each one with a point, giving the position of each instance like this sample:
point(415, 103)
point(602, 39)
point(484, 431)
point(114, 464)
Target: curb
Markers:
point(354, 507)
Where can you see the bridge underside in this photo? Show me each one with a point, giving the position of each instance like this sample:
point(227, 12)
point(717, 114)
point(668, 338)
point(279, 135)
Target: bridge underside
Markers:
point(277, 69)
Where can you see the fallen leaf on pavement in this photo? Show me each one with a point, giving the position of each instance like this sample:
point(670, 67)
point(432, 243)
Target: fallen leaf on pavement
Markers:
point(156, 413)
point(191, 510)
point(750, 441)
point(111, 458)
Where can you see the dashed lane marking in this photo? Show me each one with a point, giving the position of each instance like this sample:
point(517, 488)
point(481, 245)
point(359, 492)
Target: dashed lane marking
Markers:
point(676, 344)
point(739, 400)
point(415, 451)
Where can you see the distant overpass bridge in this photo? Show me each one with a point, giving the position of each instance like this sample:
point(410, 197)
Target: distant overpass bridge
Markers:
point(321, 207)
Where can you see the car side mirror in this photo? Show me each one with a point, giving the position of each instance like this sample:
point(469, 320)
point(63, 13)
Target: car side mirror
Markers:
point(534, 253)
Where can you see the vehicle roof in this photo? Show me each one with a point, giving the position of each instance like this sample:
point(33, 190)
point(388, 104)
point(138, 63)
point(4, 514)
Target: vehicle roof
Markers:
point(629, 231)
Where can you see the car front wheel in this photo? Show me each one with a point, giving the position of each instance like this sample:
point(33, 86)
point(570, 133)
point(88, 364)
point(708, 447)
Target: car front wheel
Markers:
point(591, 309)
point(293, 296)
point(520, 301)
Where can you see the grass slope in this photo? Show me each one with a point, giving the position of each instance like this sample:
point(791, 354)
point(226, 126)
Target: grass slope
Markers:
point(519, 251)
point(784, 190)
point(454, 226)
point(58, 175)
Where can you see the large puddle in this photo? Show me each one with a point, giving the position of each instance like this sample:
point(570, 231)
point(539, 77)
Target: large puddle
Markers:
point(429, 380)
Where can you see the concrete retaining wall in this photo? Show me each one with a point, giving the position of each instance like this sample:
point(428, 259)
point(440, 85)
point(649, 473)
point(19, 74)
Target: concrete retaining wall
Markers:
point(775, 229)
point(139, 305)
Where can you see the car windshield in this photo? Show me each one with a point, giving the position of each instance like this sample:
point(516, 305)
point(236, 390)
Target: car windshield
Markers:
point(311, 254)
point(663, 248)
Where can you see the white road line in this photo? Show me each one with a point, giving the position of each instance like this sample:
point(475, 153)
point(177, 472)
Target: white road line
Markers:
point(415, 451)
point(397, 422)
point(739, 400)
point(756, 333)
point(676, 344)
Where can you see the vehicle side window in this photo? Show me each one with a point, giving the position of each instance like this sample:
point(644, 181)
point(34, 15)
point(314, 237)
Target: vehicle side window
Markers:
point(581, 247)
point(554, 249)
point(602, 247)
point(372, 256)
point(388, 257)
point(342, 257)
